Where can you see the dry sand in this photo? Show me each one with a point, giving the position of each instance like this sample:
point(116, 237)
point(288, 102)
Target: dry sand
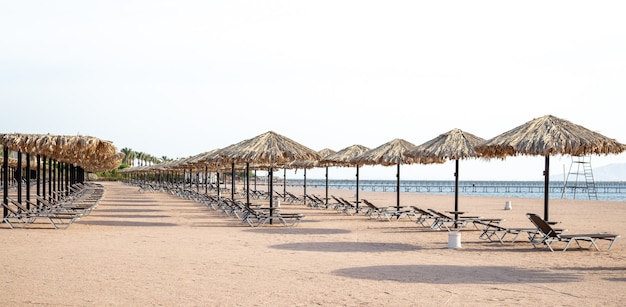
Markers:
point(156, 249)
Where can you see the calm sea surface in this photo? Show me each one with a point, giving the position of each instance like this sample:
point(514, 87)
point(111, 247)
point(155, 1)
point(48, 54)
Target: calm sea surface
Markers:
point(614, 191)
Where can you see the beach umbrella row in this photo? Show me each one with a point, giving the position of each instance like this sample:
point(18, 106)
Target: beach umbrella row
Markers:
point(87, 152)
point(543, 136)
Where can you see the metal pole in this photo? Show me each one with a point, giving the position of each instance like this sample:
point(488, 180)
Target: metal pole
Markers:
point(456, 191)
point(28, 180)
point(546, 188)
point(326, 204)
point(305, 186)
point(18, 172)
point(232, 181)
point(50, 178)
point(398, 188)
point(247, 183)
point(271, 188)
point(5, 179)
point(357, 188)
point(284, 184)
point(43, 180)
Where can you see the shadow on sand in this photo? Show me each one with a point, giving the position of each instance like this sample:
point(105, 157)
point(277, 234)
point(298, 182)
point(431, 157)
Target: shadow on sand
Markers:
point(456, 274)
point(348, 247)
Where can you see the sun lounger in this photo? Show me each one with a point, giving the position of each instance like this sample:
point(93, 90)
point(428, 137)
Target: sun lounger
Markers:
point(550, 236)
point(259, 217)
point(447, 221)
point(496, 233)
point(344, 206)
point(384, 213)
point(14, 216)
point(424, 217)
point(28, 216)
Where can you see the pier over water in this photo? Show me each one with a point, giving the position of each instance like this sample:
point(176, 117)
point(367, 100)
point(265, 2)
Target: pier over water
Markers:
point(609, 190)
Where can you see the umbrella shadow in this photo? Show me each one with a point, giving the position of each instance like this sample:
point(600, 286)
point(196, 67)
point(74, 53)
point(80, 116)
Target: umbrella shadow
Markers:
point(614, 273)
point(133, 216)
point(300, 231)
point(126, 200)
point(122, 210)
point(347, 247)
point(456, 274)
point(118, 223)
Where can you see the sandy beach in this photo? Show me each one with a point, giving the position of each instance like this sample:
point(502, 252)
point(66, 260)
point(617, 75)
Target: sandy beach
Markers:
point(155, 249)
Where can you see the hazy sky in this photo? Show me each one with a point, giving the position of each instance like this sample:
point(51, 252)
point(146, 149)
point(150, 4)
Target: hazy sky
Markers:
point(178, 78)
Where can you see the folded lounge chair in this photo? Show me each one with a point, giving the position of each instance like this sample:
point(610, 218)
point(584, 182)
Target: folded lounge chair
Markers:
point(550, 236)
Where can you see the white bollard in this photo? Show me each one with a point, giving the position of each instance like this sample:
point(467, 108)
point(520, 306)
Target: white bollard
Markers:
point(507, 205)
point(454, 239)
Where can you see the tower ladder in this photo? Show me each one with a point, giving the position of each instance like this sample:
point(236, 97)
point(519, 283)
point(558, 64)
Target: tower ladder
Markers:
point(581, 170)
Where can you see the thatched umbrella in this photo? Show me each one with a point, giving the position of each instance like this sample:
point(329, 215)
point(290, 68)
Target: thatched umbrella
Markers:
point(452, 145)
point(549, 136)
point(312, 164)
point(390, 153)
point(269, 148)
point(345, 157)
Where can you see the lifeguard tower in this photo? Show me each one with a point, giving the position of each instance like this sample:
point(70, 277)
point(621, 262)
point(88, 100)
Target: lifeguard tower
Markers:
point(580, 178)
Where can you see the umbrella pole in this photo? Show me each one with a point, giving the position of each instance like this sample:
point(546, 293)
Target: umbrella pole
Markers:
point(305, 186)
point(232, 181)
point(271, 188)
point(357, 188)
point(456, 190)
point(284, 184)
point(546, 188)
point(398, 188)
point(217, 174)
point(326, 204)
point(5, 179)
point(248, 184)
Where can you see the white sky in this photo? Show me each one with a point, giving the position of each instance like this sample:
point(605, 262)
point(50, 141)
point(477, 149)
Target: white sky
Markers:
point(178, 78)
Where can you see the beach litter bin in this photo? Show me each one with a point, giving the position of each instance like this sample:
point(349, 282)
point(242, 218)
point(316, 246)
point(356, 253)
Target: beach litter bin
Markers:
point(507, 205)
point(454, 239)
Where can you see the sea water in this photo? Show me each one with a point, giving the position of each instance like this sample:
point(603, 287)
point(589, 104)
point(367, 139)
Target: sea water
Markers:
point(604, 190)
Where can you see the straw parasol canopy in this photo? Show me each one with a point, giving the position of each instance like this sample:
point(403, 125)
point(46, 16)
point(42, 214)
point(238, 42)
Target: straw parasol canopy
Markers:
point(89, 153)
point(345, 158)
point(269, 148)
point(452, 145)
point(549, 136)
point(390, 153)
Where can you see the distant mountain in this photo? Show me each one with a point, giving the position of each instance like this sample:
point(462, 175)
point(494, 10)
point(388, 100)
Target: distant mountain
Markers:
point(611, 172)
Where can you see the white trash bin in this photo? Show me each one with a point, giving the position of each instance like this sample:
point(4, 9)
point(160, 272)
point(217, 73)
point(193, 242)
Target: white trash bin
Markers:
point(507, 205)
point(454, 239)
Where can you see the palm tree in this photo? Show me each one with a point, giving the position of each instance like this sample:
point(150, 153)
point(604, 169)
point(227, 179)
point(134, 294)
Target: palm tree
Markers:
point(129, 155)
point(140, 156)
